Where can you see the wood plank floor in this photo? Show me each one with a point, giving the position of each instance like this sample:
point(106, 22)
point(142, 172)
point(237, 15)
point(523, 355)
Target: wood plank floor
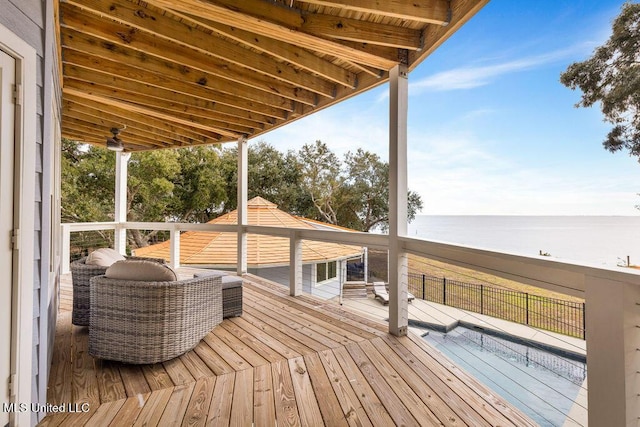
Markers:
point(285, 361)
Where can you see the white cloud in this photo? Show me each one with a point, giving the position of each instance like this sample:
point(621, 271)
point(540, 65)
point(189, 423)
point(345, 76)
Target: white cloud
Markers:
point(481, 75)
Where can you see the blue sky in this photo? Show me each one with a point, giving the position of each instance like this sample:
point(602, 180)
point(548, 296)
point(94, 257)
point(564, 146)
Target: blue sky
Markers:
point(491, 129)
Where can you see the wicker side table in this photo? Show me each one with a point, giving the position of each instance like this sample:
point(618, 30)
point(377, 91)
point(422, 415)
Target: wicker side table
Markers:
point(231, 292)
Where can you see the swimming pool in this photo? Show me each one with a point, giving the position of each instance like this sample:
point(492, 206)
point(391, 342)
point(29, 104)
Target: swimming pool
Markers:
point(541, 384)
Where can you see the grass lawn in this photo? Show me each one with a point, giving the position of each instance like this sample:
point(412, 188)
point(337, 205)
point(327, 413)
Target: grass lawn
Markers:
point(419, 265)
point(487, 294)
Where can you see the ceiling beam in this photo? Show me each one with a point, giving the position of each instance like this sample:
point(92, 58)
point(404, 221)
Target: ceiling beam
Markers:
point(145, 26)
point(271, 20)
point(137, 99)
point(89, 45)
point(283, 51)
point(124, 116)
point(152, 84)
point(108, 120)
point(170, 106)
point(70, 122)
point(434, 36)
point(150, 112)
point(87, 138)
point(427, 11)
point(336, 27)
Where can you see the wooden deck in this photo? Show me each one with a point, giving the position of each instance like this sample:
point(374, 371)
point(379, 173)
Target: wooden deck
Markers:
point(285, 361)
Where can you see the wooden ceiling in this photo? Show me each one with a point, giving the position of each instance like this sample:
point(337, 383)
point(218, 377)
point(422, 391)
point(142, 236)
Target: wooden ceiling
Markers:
point(179, 73)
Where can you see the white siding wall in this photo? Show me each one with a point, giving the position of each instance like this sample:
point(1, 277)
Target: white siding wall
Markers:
point(32, 21)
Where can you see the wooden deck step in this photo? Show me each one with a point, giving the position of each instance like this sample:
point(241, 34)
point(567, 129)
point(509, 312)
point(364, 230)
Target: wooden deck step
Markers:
point(354, 290)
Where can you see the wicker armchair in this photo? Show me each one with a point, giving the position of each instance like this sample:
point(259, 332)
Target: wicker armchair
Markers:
point(80, 275)
point(149, 322)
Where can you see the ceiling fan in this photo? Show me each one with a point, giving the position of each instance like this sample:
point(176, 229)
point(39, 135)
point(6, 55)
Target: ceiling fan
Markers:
point(114, 143)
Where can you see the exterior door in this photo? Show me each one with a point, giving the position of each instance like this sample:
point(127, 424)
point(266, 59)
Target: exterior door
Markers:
point(7, 134)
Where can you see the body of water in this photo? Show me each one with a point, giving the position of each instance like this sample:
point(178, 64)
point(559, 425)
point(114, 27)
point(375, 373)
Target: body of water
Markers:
point(598, 240)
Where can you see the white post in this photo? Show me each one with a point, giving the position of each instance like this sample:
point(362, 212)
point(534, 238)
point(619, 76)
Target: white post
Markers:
point(398, 106)
point(295, 264)
point(66, 249)
point(342, 276)
point(174, 251)
point(120, 238)
point(365, 258)
point(613, 351)
point(243, 188)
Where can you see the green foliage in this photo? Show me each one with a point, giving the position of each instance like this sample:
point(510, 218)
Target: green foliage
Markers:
point(200, 184)
point(612, 78)
point(88, 180)
point(273, 176)
point(353, 193)
point(322, 179)
point(150, 185)
point(197, 184)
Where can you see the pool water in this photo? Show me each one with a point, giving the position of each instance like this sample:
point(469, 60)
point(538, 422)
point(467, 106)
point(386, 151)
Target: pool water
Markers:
point(541, 384)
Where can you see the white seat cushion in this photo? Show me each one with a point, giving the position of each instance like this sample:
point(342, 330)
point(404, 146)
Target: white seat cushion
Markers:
point(141, 270)
point(103, 257)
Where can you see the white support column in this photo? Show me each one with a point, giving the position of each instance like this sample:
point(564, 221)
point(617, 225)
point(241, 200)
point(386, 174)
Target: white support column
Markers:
point(243, 189)
point(613, 351)
point(342, 277)
point(398, 288)
point(120, 238)
point(365, 259)
point(295, 264)
point(174, 251)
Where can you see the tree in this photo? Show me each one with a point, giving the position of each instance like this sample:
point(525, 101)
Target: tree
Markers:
point(367, 192)
point(322, 179)
point(200, 185)
point(88, 180)
point(150, 185)
point(612, 77)
point(272, 175)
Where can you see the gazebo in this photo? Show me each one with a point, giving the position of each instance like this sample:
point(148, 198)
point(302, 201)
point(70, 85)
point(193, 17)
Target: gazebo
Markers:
point(324, 263)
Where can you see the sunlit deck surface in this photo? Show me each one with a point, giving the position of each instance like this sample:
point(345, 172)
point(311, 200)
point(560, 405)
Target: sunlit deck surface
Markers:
point(285, 361)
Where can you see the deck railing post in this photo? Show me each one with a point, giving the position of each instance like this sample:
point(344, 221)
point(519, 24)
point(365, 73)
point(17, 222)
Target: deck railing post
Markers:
point(613, 362)
point(120, 213)
point(295, 264)
point(444, 291)
point(243, 168)
point(584, 321)
point(174, 251)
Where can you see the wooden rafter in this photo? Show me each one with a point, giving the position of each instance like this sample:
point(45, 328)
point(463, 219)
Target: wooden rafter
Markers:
point(123, 116)
point(127, 77)
point(283, 51)
point(201, 54)
point(150, 112)
point(91, 46)
point(179, 73)
point(268, 19)
point(428, 11)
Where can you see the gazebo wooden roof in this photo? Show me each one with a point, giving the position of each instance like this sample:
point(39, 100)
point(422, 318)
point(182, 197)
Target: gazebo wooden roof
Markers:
point(179, 73)
point(221, 249)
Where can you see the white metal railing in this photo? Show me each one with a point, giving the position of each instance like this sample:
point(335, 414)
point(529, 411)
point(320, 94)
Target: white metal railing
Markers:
point(612, 297)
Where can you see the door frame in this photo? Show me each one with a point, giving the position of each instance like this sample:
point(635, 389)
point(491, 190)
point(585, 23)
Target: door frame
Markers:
point(24, 206)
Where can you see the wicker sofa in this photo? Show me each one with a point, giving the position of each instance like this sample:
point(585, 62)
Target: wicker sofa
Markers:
point(81, 273)
point(149, 322)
